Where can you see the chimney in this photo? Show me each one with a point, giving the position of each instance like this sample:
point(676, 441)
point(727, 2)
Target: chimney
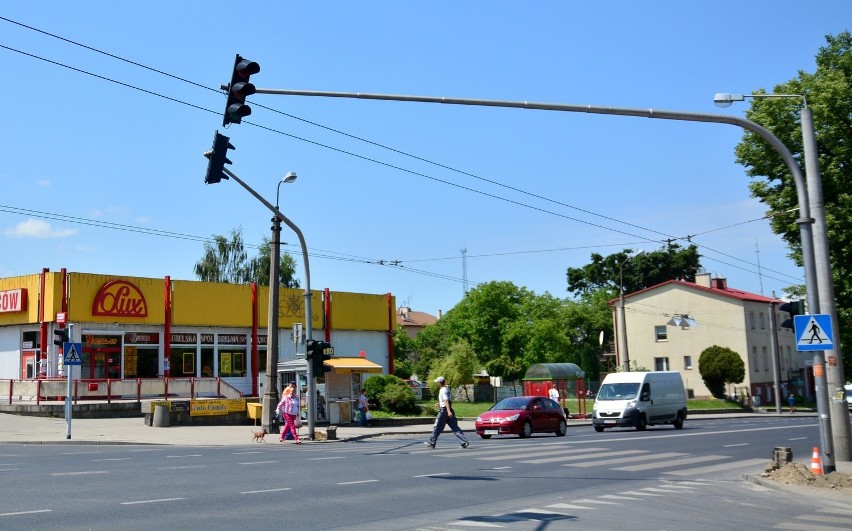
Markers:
point(720, 283)
point(439, 314)
point(703, 279)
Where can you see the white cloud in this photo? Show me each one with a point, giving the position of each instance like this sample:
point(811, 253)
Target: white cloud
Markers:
point(44, 183)
point(35, 228)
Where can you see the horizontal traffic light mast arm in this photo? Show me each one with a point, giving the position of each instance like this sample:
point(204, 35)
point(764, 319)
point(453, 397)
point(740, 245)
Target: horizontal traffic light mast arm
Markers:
point(805, 221)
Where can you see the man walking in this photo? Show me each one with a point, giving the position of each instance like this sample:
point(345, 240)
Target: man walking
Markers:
point(446, 416)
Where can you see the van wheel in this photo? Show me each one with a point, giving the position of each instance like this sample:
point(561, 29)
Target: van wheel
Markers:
point(599, 429)
point(678, 422)
point(641, 423)
point(562, 429)
point(526, 431)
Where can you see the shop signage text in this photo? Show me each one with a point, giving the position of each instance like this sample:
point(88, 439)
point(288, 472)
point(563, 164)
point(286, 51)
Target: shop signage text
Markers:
point(119, 298)
point(13, 300)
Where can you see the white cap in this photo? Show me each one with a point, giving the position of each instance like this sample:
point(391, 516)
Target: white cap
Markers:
point(439, 379)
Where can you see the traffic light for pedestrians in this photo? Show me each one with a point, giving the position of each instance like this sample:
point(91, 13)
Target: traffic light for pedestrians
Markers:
point(317, 352)
point(793, 308)
point(61, 336)
point(239, 89)
point(218, 157)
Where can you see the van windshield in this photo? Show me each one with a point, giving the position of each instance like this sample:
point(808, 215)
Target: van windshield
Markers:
point(618, 391)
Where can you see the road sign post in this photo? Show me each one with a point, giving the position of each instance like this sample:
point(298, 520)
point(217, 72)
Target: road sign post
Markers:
point(66, 347)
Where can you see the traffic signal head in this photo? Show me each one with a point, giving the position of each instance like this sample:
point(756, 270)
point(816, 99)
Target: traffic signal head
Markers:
point(218, 158)
point(61, 336)
point(239, 89)
point(318, 352)
point(793, 308)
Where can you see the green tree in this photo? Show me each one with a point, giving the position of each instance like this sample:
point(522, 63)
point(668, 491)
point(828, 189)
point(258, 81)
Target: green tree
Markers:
point(226, 260)
point(651, 268)
point(719, 366)
point(458, 368)
point(829, 96)
point(390, 393)
point(263, 263)
point(403, 353)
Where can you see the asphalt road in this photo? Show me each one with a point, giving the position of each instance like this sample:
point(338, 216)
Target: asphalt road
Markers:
point(658, 479)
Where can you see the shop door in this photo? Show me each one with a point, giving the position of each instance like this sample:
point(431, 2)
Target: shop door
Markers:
point(96, 360)
point(28, 366)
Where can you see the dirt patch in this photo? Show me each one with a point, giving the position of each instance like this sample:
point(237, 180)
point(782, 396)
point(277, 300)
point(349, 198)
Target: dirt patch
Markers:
point(799, 474)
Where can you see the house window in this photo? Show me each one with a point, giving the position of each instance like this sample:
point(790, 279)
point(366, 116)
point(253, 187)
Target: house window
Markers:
point(661, 333)
point(754, 359)
point(762, 321)
point(751, 319)
point(661, 364)
point(765, 359)
point(687, 362)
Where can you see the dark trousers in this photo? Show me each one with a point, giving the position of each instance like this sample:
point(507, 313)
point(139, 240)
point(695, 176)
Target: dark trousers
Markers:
point(443, 419)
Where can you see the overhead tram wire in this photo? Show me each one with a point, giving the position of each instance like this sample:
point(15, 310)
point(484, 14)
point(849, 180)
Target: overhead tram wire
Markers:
point(369, 159)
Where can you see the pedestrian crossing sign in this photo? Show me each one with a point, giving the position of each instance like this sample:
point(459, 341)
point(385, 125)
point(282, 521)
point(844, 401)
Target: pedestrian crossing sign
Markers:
point(72, 353)
point(813, 332)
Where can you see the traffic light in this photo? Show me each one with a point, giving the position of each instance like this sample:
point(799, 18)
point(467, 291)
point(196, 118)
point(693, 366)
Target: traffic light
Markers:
point(317, 352)
point(61, 336)
point(239, 89)
point(218, 156)
point(793, 308)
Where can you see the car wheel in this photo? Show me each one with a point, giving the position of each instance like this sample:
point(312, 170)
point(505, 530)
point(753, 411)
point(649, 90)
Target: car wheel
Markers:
point(599, 429)
point(641, 423)
point(562, 429)
point(485, 436)
point(678, 423)
point(526, 431)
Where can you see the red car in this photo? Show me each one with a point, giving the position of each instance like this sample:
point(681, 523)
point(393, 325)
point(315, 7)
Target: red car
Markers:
point(523, 416)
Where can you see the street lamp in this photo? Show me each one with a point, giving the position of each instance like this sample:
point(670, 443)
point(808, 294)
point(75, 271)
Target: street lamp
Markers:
point(270, 395)
point(623, 325)
point(832, 380)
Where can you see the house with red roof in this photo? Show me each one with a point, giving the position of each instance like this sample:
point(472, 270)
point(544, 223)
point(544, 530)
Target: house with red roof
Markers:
point(669, 325)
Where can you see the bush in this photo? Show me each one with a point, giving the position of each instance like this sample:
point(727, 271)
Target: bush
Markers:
point(390, 393)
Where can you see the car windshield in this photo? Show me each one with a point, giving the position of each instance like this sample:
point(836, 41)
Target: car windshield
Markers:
point(511, 403)
point(618, 391)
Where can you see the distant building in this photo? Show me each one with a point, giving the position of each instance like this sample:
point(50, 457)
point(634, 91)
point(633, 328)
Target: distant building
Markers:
point(413, 322)
point(670, 324)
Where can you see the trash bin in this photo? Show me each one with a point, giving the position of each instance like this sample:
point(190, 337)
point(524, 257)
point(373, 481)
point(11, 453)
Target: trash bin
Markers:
point(161, 417)
point(331, 433)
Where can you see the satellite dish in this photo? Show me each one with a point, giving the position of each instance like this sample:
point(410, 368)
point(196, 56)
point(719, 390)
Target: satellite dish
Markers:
point(600, 338)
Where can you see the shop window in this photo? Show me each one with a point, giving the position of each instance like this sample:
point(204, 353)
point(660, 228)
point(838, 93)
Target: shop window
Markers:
point(207, 364)
point(661, 333)
point(232, 363)
point(183, 362)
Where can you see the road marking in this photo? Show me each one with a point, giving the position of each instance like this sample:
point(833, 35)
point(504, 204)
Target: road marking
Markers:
point(656, 489)
point(534, 454)
point(797, 439)
point(716, 468)
point(246, 453)
point(672, 463)
point(258, 463)
point(76, 453)
point(625, 460)
point(161, 500)
point(112, 459)
point(432, 475)
point(180, 467)
point(27, 512)
point(607, 453)
point(638, 493)
point(9, 469)
point(326, 458)
point(358, 482)
point(80, 473)
point(588, 500)
point(616, 497)
point(265, 490)
point(733, 445)
point(569, 506)
point(182, 456)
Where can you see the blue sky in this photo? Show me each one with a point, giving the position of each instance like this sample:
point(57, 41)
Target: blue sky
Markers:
point(100, 177)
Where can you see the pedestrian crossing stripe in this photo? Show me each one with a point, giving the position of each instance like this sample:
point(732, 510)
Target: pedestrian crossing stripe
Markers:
point(813, 332)
point(71, 353)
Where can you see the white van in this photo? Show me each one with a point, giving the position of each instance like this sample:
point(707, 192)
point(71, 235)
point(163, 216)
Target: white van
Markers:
point(640, 399)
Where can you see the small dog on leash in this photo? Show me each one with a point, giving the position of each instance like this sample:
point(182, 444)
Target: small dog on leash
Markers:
point(259, 436)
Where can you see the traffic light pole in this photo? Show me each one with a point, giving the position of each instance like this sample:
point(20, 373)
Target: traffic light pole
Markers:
point(312, 404)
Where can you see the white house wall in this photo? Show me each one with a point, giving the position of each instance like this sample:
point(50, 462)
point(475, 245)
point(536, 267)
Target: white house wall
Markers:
point(350, 343)
point(10, 352)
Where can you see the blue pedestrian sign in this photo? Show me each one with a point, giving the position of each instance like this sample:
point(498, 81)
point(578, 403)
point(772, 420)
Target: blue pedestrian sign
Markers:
point(72, 353)
point(813, 332)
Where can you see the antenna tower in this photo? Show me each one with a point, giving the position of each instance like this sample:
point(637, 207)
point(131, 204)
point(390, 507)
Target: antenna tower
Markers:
point(464, 270)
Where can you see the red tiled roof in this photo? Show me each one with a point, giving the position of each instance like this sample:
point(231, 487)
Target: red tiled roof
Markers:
point(727, 292)
point(413, 318)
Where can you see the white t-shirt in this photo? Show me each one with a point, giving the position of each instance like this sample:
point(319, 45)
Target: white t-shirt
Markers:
point(443, 397)
point(554, 394)
point(362, 401)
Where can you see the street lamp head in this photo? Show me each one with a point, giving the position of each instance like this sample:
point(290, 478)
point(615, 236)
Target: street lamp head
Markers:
point(725, 99)
point(289, 178)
